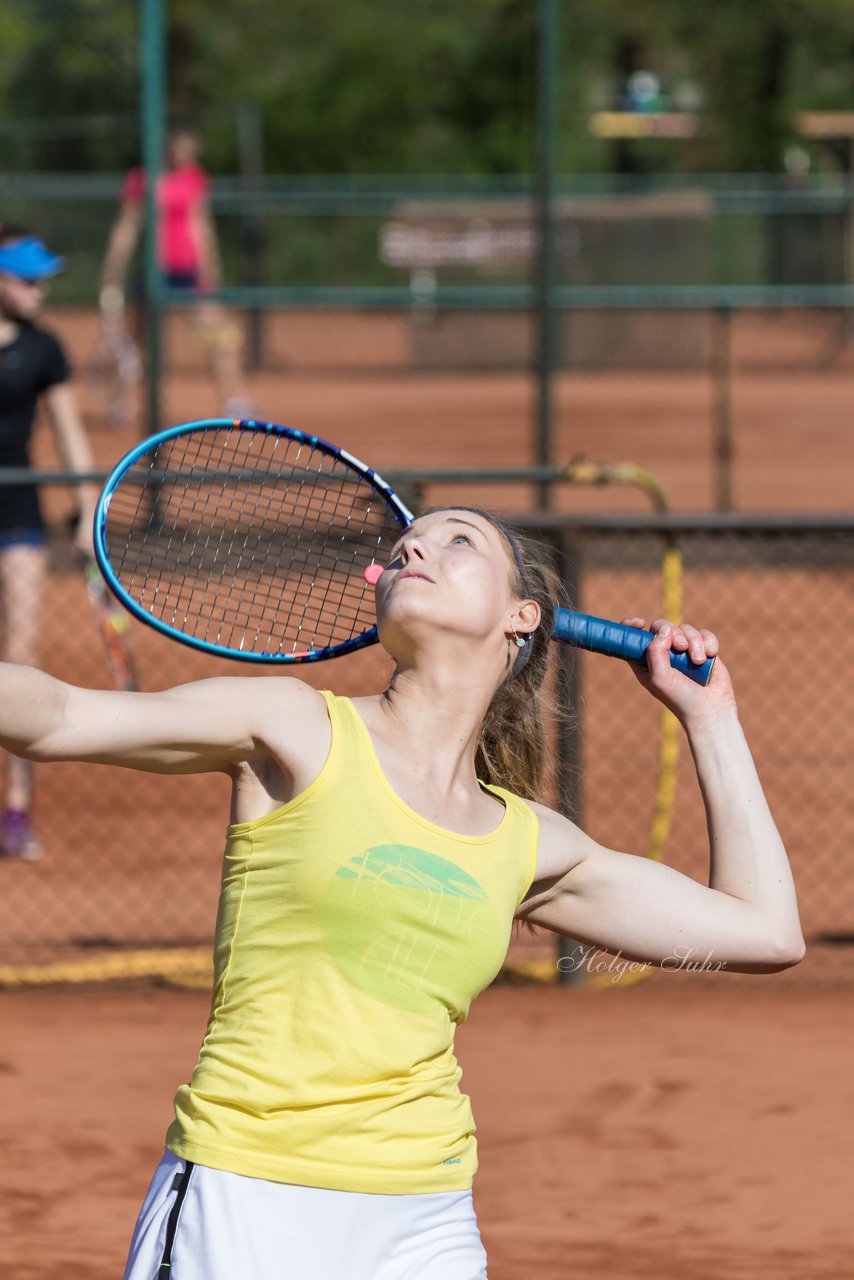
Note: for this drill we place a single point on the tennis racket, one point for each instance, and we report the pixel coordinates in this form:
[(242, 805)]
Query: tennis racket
[(116, 366), (113, 627), (250, 540), (115, 372)]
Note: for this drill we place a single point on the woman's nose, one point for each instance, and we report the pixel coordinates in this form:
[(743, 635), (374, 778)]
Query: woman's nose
[(412, 547)]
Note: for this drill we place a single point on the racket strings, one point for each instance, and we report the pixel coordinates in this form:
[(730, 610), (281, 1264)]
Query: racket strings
[(250, 540)]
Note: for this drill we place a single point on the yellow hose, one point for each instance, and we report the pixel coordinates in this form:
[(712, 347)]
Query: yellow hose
[(184, 966)]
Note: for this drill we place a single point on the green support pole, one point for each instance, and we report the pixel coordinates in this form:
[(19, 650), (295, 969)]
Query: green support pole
[(250, 147), (153, 126), (722, 374), (571, 955), (547, 316)]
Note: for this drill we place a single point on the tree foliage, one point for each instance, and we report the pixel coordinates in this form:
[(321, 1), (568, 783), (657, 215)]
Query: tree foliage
[(427, 86)]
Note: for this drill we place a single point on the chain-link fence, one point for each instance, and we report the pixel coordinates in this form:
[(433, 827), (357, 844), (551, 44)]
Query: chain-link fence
[(131, 860), (418, 232)]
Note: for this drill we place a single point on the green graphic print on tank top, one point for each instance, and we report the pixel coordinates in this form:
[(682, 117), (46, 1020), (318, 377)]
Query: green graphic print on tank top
[(398, 921)]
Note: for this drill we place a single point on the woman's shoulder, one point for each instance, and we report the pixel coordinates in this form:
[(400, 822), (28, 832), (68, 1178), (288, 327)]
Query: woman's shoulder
[(553, 829), (270, 697), (289, 718), (275, 691), (551, 821), (39, 343), (560, 842)]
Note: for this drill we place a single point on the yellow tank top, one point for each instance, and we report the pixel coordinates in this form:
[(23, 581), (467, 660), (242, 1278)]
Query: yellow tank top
[(351, 939)]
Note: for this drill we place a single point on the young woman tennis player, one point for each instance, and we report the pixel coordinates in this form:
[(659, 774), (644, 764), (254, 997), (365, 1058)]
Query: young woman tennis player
[(33, 366), (378, 851)]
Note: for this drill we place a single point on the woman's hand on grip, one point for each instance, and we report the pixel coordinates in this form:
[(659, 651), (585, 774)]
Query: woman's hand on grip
[(685, 698)]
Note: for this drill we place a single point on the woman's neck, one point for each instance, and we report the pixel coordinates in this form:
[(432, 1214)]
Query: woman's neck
[(434, 724)]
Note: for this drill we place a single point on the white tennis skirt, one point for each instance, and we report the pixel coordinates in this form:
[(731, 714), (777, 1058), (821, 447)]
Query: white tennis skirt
[(203, 1224)]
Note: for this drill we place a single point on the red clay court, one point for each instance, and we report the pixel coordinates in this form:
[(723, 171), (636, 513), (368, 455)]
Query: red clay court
[(685, 1126), (623, 1134)]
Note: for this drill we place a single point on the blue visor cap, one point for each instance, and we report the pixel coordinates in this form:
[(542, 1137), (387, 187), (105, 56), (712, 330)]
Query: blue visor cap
[(29, 260)]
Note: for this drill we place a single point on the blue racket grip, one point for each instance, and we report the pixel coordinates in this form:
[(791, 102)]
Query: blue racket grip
[(618, 641)]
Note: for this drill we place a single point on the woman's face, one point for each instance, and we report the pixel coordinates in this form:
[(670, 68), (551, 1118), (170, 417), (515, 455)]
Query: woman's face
[(183, 150), (21, 299), (450, 574)]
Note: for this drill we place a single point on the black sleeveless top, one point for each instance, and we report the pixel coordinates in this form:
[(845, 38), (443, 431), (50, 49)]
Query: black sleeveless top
[(29, 365)]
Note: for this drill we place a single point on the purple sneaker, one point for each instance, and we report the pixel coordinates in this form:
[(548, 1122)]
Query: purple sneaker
[(17, 839)]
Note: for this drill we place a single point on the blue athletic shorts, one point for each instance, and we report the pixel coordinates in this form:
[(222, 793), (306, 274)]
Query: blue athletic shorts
[(22, 538)]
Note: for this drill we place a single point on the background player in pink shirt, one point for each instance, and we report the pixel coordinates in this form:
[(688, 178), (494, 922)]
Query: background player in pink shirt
[(188, 257)]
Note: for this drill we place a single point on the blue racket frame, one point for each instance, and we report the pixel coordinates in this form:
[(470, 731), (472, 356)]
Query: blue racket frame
[(152, 443)]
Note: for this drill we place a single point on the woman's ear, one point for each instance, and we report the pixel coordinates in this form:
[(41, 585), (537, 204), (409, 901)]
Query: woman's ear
[(527, 616)]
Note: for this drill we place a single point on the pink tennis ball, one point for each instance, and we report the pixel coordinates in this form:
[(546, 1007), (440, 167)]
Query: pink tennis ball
[(373, 574)]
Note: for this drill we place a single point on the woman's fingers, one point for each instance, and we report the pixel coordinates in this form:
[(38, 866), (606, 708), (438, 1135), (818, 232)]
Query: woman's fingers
[(682, 696), (698, 643)]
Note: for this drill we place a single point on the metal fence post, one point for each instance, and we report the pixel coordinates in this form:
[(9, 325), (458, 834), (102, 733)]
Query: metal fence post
[(722, 410), (153, 59), (251, 151), (548, 65), (570, 793)]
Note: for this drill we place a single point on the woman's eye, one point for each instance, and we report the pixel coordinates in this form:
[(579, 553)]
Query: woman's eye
[(461, 537)]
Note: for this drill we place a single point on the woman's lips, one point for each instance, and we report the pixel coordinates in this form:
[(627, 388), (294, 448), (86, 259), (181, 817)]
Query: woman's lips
[(410, 573)]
